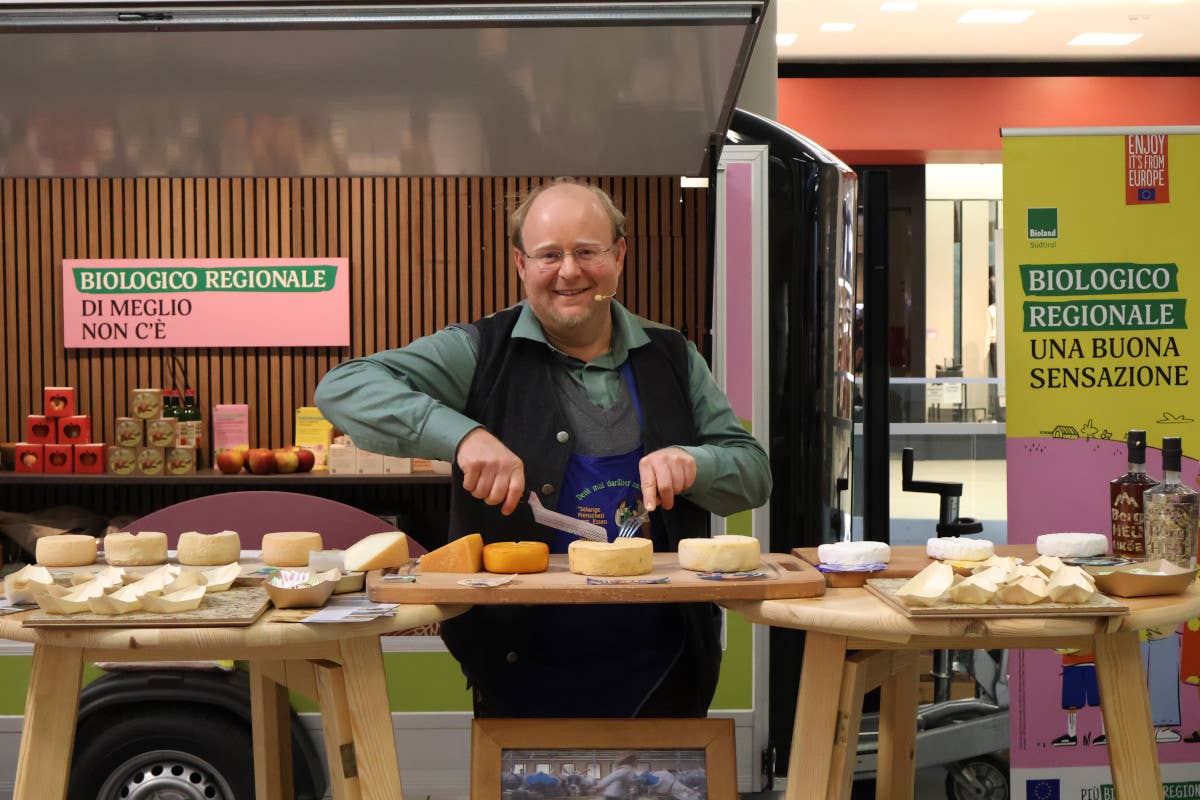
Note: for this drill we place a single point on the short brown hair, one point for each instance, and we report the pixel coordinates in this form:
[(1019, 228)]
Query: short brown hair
[(516, 220)]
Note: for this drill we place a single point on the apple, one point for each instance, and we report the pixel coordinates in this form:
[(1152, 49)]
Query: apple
[(28, 459), (308, 459), (286, 460), (231, 461), (261, 461)]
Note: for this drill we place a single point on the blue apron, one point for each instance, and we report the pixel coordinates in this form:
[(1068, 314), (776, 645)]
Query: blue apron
[(602, 660)]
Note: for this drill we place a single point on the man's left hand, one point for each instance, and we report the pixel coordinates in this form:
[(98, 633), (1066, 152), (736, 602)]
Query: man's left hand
[(665, 473)]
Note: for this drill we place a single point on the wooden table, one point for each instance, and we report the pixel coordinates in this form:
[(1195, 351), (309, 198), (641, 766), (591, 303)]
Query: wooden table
[(856, 642), (340, 665)]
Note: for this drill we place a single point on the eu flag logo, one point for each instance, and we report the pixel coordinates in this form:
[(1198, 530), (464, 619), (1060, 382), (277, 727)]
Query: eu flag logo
[(1044, 789), (1145, 195)]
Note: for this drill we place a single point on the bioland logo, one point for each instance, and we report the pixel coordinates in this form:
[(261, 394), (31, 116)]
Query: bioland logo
[(1043, 223)]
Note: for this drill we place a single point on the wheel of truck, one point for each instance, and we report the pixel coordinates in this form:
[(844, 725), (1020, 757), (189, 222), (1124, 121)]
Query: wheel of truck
[(166, 754), (982, 778)]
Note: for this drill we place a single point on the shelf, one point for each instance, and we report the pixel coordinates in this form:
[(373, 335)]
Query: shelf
[(208, 477)]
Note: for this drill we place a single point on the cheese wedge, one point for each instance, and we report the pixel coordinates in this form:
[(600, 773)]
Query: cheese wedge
[(720, 554), (464, 554), (143, 549), (66, 550), (633, 556), (508, 558), (377, 551), (209, 550), (289, 548), (22, 586)]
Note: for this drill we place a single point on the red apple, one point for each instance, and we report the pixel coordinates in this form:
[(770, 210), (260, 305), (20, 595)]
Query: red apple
[(231, 461), (286, 460), (261, 461), (308, 459)]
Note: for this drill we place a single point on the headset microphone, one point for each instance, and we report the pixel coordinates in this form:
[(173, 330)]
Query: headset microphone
[(599, 298)]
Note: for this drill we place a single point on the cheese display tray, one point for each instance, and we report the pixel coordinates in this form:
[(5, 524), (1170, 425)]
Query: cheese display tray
[(235, 607), (908, 560), (783, 576), (1098, 606)]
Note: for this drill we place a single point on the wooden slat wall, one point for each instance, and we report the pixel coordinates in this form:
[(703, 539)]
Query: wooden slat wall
[(423, 252)]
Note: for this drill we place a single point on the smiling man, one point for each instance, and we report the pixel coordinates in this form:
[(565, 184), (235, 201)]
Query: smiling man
[(600, 412)]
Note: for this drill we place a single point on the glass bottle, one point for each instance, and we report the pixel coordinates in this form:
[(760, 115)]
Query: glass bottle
[(191, 424), (1126, 497), (1172, 512)]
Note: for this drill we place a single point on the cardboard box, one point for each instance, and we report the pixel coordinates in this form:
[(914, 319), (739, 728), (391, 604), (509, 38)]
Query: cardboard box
[(129, 432), (343, 459), (230, 427), (58, 401), (29, 457), (181, 461), (146, 403), (162, 432), (431, 465), (89, 458), (40, 429), (120, 460), (369, 463), (58, 459), (395, 465), (75, 430), (151, 460), (314, 432)]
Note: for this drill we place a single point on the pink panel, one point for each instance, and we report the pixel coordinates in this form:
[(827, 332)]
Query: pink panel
[(739, 309)]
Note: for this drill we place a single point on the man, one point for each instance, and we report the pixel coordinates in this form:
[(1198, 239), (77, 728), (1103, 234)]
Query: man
[(600, 413)]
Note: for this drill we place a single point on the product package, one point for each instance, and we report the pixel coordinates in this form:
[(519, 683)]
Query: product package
[(146, 403), (29, 457), (369, 463), (230, 427), (150, 460), (59, 401), (121, 460), (129, 432), (395, 465), (58, 459), (162, 432), (314, 432), (75, 430), (89, 458), (343, 459), (40, 429), (180, 460)]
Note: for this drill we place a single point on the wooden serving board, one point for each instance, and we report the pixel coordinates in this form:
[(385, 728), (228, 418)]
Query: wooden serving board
[(1099, 606), (908, 560), (787, 576), (235, 607)]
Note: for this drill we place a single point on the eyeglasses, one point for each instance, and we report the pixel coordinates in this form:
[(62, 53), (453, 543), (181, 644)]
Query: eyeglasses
[(584, 256)]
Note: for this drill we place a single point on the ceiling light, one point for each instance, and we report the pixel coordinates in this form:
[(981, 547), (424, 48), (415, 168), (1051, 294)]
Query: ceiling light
[(899, 5), (786, 39), (837, 27), (1104, 39), (995, 16), (1166, 2)]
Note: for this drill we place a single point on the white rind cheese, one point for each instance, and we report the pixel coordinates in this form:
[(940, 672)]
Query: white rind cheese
[(720, 554), (851, 554), (959, 548), (209, 550), (624, 557), (66, 550), (377, 551), (1072, 545), (22, 586), (289, 548), (142, 549)]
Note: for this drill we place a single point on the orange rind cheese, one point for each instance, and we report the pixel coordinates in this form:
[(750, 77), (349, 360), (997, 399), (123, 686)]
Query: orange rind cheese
[(464, 554), (516, 557)]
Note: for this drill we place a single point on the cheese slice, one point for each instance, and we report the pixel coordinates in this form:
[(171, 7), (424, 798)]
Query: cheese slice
[(720, 554), (520, 558), (289, 548), (209, 550), (66, 550), (464, 554), (142, 549), (633, 556), (377, 551)]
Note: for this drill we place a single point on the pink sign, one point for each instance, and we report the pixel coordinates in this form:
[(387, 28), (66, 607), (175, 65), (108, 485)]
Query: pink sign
[(209, 302)]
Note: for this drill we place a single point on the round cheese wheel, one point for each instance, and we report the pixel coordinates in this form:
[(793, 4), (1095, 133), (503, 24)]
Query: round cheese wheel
[(209, 550), (850, 554), (720, 554), (142, 549), (633, 556), (1072, 545), (516, 557), (66, 550), (289, 548)]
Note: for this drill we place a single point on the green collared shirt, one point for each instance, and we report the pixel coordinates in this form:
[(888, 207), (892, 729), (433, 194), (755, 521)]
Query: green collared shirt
[(409, 402)]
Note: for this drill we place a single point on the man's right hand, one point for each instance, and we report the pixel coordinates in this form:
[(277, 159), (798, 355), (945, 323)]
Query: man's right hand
[(491, 472)]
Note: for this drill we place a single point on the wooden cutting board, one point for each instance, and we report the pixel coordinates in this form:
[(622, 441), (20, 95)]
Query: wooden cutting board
[(786, 577), (1099, 606), (908, 560), (235, 607)]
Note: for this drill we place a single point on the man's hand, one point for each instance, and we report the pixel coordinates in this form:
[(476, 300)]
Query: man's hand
[(665, 473), (491, 472)]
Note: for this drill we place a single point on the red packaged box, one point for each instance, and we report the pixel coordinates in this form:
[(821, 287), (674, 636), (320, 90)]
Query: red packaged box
[(75, 430), (59, 401), (41, 429), (29, 457), (89, 458), (58, 459)]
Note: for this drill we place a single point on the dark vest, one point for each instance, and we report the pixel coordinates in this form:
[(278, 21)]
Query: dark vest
[(513, 395)]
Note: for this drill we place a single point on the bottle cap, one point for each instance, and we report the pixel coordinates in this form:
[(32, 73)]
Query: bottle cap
[(1172, 452), (1137, 447)]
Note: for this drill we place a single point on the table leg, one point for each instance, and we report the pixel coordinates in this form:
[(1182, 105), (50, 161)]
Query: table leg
[(339, 738), (815, 725), (849, 721), (48, 734), (1127, 721), (895, 773), (271, 727), (371, 719)]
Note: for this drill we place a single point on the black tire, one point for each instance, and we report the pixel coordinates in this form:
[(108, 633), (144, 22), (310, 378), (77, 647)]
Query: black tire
[(165, 754), (990, 772)]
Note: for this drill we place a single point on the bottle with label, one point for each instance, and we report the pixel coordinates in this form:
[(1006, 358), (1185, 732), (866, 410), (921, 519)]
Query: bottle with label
[(1172, 512), (170, 403), (191, 424), (1126, 497)]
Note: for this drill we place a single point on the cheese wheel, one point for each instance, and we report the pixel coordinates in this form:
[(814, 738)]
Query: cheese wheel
[(851, 554), (507, 558), (720, 554), (1072, 545), (377, 551), (464, 554), (66, 550), (633, 556), (289, 548), (209, 550), (142, 549), (959, 548)]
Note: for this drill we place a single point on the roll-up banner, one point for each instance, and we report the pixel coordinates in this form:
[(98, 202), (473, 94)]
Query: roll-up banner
[(1101, 287)]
